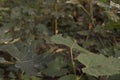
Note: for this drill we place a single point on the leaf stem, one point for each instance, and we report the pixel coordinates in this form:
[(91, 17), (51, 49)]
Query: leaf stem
[(89, 13), (72, 60), (55, 18)]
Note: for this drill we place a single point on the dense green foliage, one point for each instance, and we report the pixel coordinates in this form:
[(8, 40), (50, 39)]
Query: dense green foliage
[(59, 40)]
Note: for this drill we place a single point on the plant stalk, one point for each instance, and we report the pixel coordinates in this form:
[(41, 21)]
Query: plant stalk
[(72, 60), (55, 18)]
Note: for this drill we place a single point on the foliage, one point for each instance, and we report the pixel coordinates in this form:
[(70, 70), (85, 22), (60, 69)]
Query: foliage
[(59, 40), (98, 65)]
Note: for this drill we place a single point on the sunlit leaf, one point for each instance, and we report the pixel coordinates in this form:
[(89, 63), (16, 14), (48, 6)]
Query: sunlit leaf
[(58, 39), (112, 16), (99, 65), (73, 1), (112, 25)]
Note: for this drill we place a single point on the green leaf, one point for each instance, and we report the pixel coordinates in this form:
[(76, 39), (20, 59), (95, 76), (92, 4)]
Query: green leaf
[(112, 25), (5, 39), (12, 50), (4, 9), (25, 77), (35, 78), (102, 4), (73, 1), (1, 72), (112, 16), (84, 33), (24, 54), (58, 39), (12, 75), (5, 35), (41, 29), (103, 0), (16, 13), (56, 67), (68, 77), (115, 77), (99, 65)]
